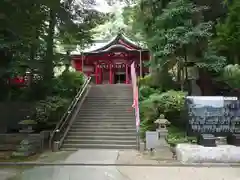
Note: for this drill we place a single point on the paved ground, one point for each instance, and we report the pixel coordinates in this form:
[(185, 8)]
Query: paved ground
[(122, 173)]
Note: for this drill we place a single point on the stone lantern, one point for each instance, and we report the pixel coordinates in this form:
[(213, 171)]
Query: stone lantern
[(27, 125), (162, 124)]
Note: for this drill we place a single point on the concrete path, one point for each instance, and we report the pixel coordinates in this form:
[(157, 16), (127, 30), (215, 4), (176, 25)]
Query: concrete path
[(124, 173)]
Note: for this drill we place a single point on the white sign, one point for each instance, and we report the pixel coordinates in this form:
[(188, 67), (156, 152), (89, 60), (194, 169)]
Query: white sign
[(151, 139), (106, 66)]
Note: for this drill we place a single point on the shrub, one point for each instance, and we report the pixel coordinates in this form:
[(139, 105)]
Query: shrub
[(145, 81), (148, 114), (146, 91), (50, 110), (170, 103), (67, 84), (231, 74)]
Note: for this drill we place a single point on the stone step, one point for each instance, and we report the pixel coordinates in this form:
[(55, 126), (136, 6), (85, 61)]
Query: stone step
[(92, 122), (106, 108), (94, 137), (103, 123), (90, 133), (128, 109), (93, 130), (108, 105), (108, 99), (74, 147), (99, 141), (105, 118), (117, 97), (129, 116), (101, 112)]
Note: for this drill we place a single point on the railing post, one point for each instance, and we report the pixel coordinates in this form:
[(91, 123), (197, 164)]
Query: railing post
[(56, 141)]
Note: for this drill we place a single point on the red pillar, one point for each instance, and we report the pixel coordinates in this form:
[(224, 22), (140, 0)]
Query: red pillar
[(110, 73), (127, 76), (96, 74), (100, 75)]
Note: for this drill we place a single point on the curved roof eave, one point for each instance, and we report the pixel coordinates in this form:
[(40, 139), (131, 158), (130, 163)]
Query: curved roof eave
[(114, 41)]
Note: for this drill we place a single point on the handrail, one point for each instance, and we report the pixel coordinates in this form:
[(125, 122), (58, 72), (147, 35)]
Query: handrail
[(66, 118)]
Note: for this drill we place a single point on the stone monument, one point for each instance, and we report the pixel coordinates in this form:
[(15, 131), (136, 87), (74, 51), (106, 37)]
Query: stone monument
[(215, 121)]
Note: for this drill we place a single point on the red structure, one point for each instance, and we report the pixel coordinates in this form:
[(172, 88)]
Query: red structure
[(111, 62)]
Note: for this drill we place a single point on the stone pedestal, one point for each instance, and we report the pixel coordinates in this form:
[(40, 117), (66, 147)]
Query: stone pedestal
[(207, 140), (234, 139), (56, 146), (162, 144)]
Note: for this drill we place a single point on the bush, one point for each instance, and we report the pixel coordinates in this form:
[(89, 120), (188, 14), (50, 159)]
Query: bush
[(50, 110), (170, 103), (148, 114), (68, 84), (145, 81), (231, 74), (146, 91)]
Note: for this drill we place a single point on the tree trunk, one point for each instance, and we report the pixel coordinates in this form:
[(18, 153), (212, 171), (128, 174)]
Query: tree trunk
[(48, 66), (235, 59)]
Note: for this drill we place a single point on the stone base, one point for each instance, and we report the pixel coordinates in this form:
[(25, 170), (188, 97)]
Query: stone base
[(190, 153)]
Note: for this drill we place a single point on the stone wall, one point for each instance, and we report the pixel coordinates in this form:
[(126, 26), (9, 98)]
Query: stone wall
[(11, 113), (10, 142)]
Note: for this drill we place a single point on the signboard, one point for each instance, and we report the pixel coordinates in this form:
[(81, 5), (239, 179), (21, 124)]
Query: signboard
[(118, 66), (215, 115), (151, 139)]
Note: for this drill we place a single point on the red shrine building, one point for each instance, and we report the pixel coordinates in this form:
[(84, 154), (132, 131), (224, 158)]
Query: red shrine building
[(109, 62)]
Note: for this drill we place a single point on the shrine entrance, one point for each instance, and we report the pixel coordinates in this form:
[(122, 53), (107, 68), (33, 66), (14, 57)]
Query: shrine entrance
[(110, 63), (120, 78)]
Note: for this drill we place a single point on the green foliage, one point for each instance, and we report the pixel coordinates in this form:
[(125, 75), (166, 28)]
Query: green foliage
[(28, 122), (148, 114), (146, 91), (170, 103), (212, 62), (231, 75), (30, 33), (50, 110), (177, 135), (68, 84), (145, 81), (227, 40)]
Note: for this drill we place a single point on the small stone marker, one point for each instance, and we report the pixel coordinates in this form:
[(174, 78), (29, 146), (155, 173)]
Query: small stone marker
[(151, 139)]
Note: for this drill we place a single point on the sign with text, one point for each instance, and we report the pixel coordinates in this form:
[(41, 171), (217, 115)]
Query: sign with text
[(215, 115)]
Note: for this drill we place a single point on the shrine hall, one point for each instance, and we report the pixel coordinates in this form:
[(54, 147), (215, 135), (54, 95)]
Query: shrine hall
[(109, 62)]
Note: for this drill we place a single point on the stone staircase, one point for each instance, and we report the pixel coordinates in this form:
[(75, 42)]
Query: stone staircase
[(106, 120)]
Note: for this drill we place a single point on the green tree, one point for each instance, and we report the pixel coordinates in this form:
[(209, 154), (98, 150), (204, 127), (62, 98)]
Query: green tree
[(30, 32), (228, 33), (175, 33)]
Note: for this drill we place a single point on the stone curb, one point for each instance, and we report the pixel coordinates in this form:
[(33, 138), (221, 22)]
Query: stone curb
[(122, 164)]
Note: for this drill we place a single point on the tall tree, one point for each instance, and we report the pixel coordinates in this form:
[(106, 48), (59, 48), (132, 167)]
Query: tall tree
[(228, 33)]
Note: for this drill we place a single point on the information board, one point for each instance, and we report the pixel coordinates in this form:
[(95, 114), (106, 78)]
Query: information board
[(215, 115)]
